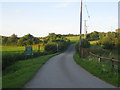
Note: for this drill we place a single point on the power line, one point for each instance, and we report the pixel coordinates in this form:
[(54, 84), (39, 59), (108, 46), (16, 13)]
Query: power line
[(87, 11)]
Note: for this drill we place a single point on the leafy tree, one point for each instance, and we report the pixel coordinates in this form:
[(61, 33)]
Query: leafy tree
[(12, 40), (102, 35), (93, 36), (28, 40), (111, 34), (4, 40), (107, 43)]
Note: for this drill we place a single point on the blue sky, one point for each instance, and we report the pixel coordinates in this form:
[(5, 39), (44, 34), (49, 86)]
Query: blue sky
[(41, 18)]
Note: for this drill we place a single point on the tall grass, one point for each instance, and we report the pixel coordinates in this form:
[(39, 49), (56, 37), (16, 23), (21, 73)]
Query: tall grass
[(104, 52), (102, 70)]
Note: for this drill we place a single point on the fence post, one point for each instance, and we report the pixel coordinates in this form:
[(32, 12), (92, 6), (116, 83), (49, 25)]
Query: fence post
[(80, 51), (82, 55), (99, 59), (112, 64)]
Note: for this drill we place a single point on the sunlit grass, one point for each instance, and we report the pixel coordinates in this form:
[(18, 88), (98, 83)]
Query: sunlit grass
[(73, 38), (20, 48), (102, 70), (94, 42)]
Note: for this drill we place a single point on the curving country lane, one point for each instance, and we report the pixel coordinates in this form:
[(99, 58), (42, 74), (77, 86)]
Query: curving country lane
[(61, 71)]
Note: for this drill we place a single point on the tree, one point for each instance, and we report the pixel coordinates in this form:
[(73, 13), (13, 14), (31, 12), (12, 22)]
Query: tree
[(12, 40), (107, 43), (28, 40), (102, 35), (93, 36), (4, 40)]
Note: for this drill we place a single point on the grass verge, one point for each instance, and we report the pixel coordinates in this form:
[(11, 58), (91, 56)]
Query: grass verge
[(100, 70), (16, 75)]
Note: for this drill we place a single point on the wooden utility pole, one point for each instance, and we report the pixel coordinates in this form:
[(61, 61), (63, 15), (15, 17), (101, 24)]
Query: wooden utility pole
[(80, 26)]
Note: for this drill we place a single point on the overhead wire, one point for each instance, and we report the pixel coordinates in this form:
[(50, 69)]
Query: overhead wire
[(87, 10)]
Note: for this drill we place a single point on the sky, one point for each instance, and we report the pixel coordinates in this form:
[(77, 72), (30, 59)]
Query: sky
[(41, 18)]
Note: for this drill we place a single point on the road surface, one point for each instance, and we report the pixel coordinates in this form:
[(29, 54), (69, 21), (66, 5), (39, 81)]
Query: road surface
[(61, 71)]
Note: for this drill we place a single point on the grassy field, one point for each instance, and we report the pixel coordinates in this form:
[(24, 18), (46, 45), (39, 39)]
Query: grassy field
[(19, 48), (73, 38), (101, 70), (77, 38), (94, 42), (16, 75)]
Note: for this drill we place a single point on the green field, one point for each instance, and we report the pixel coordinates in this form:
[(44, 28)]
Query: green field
[(12, 54), (73, 38), (16, 75), (94, 42), (19, 48)]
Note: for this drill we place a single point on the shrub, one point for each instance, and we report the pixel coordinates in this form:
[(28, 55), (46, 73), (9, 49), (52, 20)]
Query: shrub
[(51, 48), (107, 43), (9, 58)]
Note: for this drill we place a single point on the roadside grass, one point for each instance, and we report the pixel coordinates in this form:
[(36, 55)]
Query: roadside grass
[(101, 70), (16, 75)]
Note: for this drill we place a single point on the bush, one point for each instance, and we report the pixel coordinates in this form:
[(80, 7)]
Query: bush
[(51, 48), (107, 43), (63, 46), (9, 58)]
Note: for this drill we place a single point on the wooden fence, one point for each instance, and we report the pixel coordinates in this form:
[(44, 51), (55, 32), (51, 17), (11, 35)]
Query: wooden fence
[(110, 59)]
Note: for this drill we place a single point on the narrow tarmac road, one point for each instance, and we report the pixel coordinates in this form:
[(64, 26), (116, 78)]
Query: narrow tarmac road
[(61, 71)]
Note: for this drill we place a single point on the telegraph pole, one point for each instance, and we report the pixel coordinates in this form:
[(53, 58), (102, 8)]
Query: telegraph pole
[(85, 28), (80, 26)]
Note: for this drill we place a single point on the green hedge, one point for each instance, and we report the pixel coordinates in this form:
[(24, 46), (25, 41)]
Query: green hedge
[(9, 58)]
